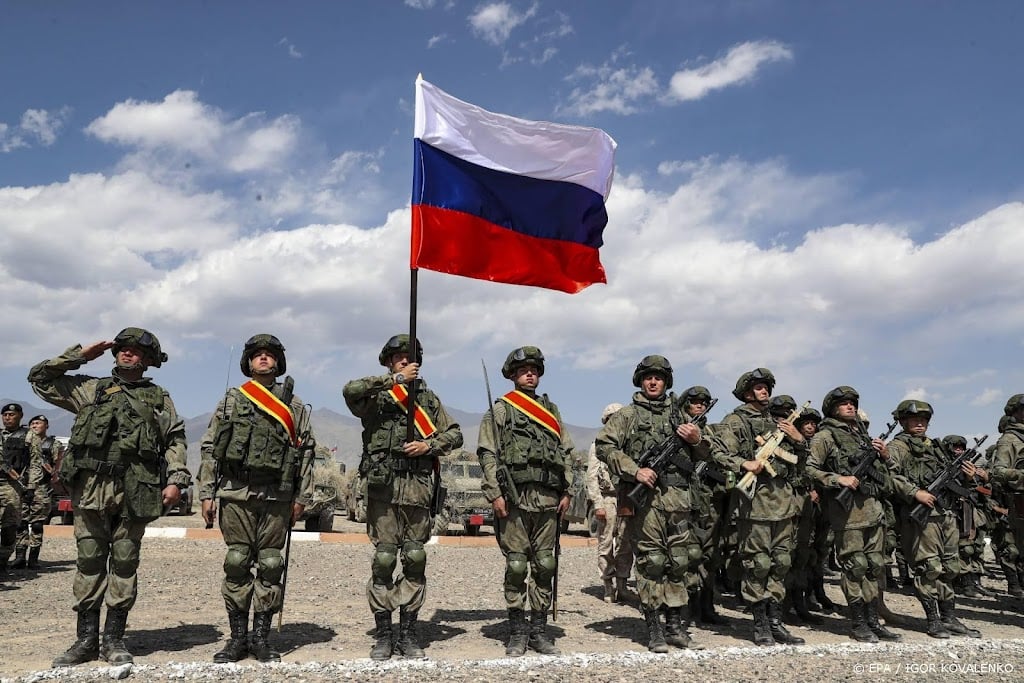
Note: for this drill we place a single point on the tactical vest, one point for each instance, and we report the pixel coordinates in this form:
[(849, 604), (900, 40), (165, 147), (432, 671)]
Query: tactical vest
[(849, 450), (762, 425), (46, 447), (647, 429), (252, 442), (1017, 430), (926, 461), (386, 435), (119, 428), (16, 451), (532, 453)]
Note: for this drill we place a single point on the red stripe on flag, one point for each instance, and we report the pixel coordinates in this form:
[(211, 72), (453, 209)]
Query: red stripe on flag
[(461, 244)]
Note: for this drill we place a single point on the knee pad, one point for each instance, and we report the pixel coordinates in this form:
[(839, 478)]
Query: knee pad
[(92, 556), (759, 565), (1010, 553), (382, 566), (855, 565), (875, 563), (951, 568), (651, 565), (237, 562), (782, 562), (516, 569), (967, 550), (544, 566), (679, 562), (270, 565), (37, 528), (930, 568), (414, 560), (124, 558)]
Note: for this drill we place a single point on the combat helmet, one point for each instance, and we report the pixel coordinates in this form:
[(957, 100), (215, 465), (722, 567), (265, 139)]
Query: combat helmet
[(781, 405), (953, 441), (696, 393), (837, 396), (1013, 404), (913, 406), (807, 415), (145, 340), (749, 379), (653, 364), (263, 342), (399, 344), (524, 355), (610, 410)]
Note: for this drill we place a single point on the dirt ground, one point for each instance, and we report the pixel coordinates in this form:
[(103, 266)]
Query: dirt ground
[(179, 617)]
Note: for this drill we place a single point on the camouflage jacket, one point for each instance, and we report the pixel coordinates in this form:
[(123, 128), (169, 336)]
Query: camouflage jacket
[(600, 483), (139, 485), (634, 429), (31, 474), (391, 476), (735, 442), (542, 453), (235, 482), (1007, 463)]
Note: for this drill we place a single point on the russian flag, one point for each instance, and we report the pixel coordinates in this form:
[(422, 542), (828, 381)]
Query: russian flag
[(505, 199)]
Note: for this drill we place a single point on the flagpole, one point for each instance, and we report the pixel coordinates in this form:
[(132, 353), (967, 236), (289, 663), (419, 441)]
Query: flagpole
[(410, 433)]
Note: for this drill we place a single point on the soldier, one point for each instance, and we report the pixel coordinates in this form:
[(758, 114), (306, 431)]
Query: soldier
[(125, 433), (842, 440), (765, 525), (816, 561), (16, 491), (972, 521), (398, 472), (614, 544), (38, 499), (1007, 468), (805, 559), (917, 460), (526, 455), (255, 461), (668, 552)]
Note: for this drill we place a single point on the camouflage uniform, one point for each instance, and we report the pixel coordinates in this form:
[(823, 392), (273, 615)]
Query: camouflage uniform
[(20, 458), (932, 548), (1007, 474), (36, 503), (398, 491), (256, 471), (114, 479), (614, 543), (538, 464)]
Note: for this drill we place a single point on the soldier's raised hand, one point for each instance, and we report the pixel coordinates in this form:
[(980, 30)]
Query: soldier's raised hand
[(96, 349)]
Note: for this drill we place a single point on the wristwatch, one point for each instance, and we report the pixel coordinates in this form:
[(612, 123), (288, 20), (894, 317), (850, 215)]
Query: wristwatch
[(399, 378)]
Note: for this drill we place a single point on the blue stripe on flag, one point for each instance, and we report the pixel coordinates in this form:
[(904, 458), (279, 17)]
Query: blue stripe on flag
[(539, 208)]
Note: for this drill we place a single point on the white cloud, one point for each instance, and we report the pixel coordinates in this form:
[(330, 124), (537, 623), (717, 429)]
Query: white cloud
[(39, 125), (738, 66), (618, 89), (435, 40), (495, 21), (420, 4), (917, 393), (988, 396), (293, 51)]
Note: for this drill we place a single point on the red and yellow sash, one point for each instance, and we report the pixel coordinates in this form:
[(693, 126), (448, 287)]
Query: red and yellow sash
[(533, 410), (272, 406), (424, 425)]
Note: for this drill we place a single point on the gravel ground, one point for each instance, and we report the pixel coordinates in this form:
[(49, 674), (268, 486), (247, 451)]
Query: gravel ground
[(179, 622)]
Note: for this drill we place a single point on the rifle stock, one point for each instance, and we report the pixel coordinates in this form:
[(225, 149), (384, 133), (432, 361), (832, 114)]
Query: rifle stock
[(769, 449)]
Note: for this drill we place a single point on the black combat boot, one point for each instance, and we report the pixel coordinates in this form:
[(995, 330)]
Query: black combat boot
[(951, 623), (871, 615), (260, 648), (966, 586), (539, 640), (112, 648), (762, 630), (860, 632), (87, 647), (237, 647), (655, 633), (975, 579), (799, 599), (19, 558), (936, 629), (1013, 584), (809, 597), (406, 644), (778, 629), (677, 623), (827, 606), (905, 579), (706, 600), (33, 557), (382, 636), (518, 633)]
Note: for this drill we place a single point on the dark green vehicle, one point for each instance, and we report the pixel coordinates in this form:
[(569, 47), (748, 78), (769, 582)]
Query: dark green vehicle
[(465, 505)]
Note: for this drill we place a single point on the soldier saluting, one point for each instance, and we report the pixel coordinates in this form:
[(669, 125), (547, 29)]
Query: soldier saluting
[(253, 463), (126, 427)]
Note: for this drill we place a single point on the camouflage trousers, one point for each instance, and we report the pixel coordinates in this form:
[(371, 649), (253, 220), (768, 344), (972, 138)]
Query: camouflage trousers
[(804, 555), (10, 520), (397, 531), (1007, 552), (971, 551), (766, 551), (861, 556), (34, 516), (614, 543), (527, 540), (108, 544), (668, 557), (709, 525), (254, 531), (933, 551)]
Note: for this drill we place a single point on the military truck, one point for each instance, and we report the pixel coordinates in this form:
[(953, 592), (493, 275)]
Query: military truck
[(581, 510), (465, 504), (328, 480), (355, 498)]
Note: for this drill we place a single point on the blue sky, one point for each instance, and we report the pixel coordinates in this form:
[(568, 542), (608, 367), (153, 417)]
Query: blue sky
[(831, 190)]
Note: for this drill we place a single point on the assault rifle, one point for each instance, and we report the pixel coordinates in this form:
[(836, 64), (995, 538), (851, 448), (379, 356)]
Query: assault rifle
[(658, 457), (946, 487), (767, 452), (865, 465)]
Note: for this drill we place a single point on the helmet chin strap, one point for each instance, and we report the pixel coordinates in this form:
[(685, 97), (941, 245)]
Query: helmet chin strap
[(133, 366)]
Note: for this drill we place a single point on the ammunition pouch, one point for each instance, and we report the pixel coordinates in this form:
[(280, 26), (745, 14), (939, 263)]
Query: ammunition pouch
[(420, 465)]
